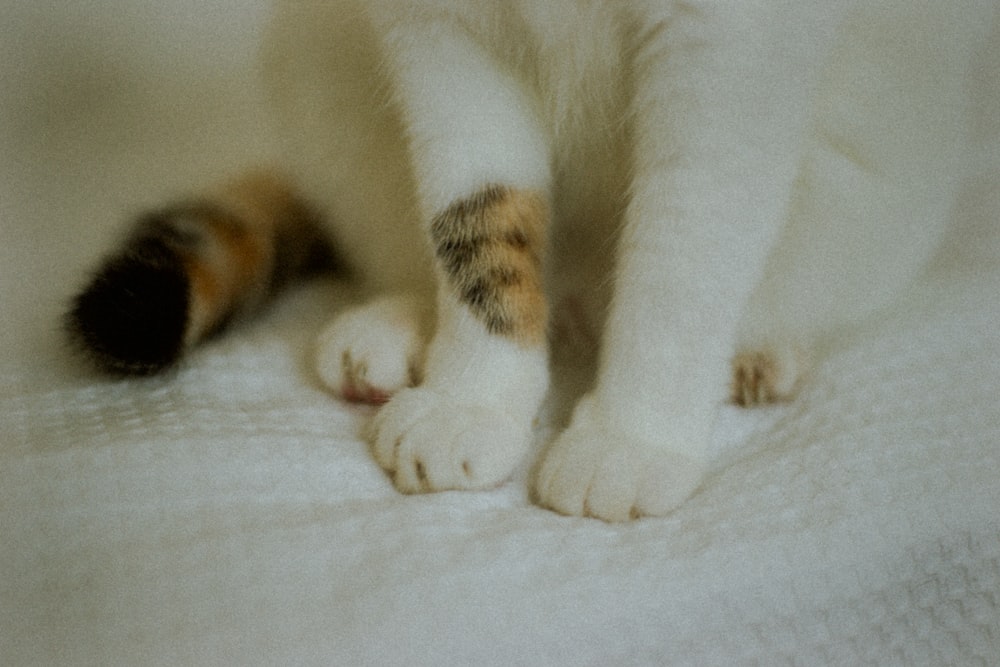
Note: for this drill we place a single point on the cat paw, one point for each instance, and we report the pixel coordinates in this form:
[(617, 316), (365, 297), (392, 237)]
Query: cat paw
[(431, 442), (595, 470), (371, 352), (767, 376)]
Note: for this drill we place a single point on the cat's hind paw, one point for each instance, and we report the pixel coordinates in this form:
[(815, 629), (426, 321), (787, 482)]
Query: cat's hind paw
[(371, 352), (767, 376), (430, 442), (594, 470)]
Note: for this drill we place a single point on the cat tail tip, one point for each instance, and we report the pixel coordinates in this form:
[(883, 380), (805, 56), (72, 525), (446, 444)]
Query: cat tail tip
[(132, 318)]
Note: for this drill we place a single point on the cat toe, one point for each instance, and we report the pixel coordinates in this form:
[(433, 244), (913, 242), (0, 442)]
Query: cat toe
[(428, 442)]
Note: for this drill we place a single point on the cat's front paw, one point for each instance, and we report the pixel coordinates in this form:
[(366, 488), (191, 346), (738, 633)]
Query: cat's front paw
[(371, 352), (428, 441), (594, 469)]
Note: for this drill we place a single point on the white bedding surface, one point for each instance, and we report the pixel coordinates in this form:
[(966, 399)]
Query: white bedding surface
[(229, 513)]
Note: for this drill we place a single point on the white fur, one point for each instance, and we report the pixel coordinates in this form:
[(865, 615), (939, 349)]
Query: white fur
[(770, 169)]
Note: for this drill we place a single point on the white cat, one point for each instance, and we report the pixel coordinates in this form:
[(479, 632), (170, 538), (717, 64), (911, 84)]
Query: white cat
[(767, 170)]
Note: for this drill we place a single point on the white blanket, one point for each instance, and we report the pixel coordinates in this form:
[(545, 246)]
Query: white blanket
[(229, 513)]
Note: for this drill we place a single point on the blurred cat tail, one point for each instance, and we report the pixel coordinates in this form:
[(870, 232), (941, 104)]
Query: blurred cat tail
[(184, 272)]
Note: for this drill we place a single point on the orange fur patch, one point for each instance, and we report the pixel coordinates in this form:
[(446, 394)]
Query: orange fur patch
[(491, 248), (228, 269), (255, 234)]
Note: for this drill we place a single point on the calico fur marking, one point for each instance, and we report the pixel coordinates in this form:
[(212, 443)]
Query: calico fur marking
[(491, 247), (183, 273)]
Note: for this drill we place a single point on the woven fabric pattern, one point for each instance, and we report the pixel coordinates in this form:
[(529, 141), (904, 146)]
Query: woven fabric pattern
[(229, 513)]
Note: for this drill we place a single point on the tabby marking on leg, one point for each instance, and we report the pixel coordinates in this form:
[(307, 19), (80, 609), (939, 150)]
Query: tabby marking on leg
[(491, 247)]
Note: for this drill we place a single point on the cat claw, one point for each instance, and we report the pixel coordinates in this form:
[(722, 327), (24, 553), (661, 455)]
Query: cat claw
[(767, 376)]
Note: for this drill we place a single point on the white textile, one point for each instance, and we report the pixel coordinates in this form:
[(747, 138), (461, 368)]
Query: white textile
[(229, 513)]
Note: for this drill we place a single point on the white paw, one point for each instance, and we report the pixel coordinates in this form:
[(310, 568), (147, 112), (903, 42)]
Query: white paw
[(427, 441), (596, 470), (371, 352), (767, 375)]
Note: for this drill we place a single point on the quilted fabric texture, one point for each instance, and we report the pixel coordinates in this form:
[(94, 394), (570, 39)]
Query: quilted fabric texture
[(229, 513)]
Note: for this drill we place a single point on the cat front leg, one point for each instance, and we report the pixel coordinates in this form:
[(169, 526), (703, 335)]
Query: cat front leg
[(481, 165), (713, 164), (469, 424)]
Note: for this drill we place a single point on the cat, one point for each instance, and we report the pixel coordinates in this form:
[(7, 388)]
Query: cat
[(742, 177)]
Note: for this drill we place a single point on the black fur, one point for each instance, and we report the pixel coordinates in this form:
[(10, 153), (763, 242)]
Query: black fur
[(132, 317)]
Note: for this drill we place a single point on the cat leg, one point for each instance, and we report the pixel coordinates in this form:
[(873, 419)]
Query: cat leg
[(371, 352), (481, 165), (713, 168)]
